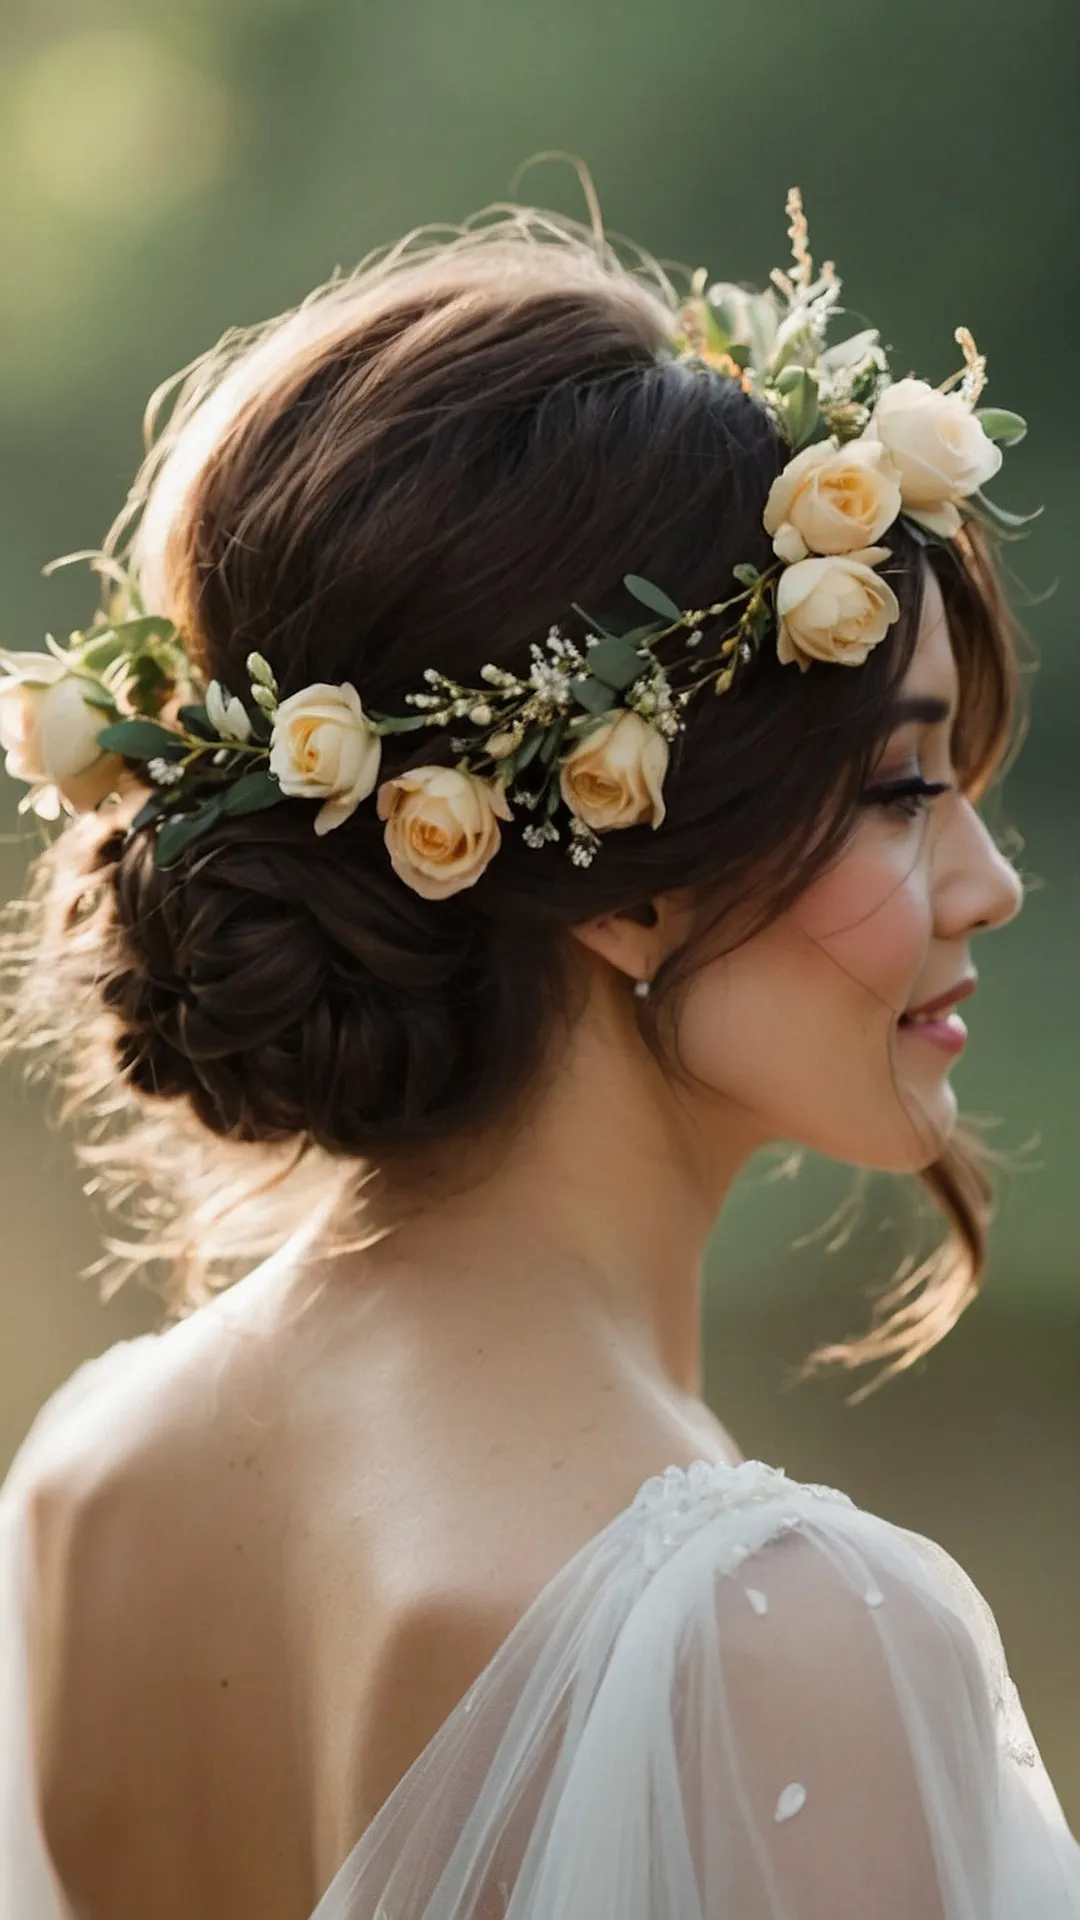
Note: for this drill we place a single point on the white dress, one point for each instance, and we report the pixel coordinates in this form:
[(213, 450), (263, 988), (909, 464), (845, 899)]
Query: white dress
[(744, 1699)]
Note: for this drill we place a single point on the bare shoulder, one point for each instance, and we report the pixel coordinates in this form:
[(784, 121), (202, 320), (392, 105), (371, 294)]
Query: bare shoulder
[(154, 1530)]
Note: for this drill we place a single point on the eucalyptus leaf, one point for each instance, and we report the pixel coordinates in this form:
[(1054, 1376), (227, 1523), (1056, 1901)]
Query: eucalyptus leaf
[(591, 694), (147, 626), (176, 835), (552, 798), (251, 793), (99, 650), (402, 722), (999, 424), (198, 721), (801, 408), (652, 597), (142, 740), (549, 745), (529, 748), (848, 353), (717, 337), (151, 810), (616, 662)]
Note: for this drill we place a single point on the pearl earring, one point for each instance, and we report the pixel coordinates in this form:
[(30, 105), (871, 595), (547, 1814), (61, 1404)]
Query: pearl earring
[(642, 989)]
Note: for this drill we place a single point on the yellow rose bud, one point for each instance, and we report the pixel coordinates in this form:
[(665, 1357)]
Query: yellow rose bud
[(323, 746), (442, 828), (615, 778), (835, 609), (832, 500)]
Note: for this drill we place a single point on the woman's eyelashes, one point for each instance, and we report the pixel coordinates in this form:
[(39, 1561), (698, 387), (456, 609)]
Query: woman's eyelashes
[(908, 795)]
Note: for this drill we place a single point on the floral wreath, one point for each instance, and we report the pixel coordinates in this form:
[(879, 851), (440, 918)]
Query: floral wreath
[(580, 742)]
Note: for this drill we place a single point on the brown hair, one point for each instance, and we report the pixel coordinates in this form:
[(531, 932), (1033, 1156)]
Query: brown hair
[(429, 464)]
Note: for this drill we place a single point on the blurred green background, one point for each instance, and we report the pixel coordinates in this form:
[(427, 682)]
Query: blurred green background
[(177, 166)]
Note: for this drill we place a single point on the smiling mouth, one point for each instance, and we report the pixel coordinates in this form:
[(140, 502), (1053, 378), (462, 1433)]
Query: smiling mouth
[(938, 1022)]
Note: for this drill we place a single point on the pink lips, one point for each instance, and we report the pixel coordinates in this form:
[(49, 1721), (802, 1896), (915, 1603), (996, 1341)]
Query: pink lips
[(936, 1022)]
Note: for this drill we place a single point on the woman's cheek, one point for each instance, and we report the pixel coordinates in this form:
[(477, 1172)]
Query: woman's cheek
[(872, 915)]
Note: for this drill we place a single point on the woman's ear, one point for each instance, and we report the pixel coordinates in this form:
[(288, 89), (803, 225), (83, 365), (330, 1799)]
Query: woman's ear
[(637, 940)]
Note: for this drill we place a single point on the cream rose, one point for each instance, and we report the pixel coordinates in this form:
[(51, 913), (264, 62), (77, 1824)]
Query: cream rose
[(832, 500), (835, 609), (938, 448), (442, 828), (615, 778), (49, 735), (323, 746)]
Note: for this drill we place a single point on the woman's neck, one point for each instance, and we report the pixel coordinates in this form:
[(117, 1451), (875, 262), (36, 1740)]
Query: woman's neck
[(587, 1222)]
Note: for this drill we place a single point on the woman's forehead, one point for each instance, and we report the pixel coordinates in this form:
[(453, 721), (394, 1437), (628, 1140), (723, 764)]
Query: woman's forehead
[(932, 671)]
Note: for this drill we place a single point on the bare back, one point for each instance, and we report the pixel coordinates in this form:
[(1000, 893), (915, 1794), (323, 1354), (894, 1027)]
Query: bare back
[(282, 1554)]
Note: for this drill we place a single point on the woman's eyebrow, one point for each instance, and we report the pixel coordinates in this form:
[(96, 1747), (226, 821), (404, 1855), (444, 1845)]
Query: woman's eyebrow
[(920, 707)]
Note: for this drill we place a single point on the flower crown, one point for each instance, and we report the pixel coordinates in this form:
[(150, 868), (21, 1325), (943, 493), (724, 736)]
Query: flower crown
[(580, 741)]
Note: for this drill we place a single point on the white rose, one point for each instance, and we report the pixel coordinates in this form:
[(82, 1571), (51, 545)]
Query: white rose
[(940, 451), (835, 609), (615, 778), (323, 746), (832, 499), (442, 828), (49, 735)]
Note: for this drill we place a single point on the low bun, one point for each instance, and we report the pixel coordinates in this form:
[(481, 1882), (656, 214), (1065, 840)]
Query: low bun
[(292, 989)]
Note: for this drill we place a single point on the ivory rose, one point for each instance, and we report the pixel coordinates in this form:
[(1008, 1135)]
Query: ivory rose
[(938, 448), (832, 499), (442, 828), (835, 608), (615, 778), (49, 735), (323, 746)]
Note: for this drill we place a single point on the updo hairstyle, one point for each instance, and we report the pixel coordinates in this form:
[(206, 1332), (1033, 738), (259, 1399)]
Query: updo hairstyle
[(429, 464)]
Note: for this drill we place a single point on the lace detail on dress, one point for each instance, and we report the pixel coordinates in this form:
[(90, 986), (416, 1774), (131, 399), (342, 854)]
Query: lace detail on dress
[(673, 1505)]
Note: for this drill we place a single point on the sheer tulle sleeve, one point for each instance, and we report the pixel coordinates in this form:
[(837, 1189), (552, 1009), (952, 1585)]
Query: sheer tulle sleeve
[(745, 1700)]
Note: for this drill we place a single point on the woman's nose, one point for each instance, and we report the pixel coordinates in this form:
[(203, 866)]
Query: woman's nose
[(979, 887)]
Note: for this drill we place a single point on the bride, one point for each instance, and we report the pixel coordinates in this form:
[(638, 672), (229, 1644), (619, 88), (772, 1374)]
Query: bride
[(527, 761)]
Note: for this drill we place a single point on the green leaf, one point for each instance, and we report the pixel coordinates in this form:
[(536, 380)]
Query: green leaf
[(800, 408), (198, 722), (999, 424), (402, 722), (848, 353), (652, 597), (616, 662), (251, 793), (176, 835), (529, 748), (148, 626), (552, 798), (142, 740), (591, 694), (152, 810), (745, 574), (262, 727), (1000, 517), (550, 744)]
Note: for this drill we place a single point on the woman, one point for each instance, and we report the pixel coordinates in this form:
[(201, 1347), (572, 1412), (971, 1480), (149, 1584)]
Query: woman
[(535, 787)]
